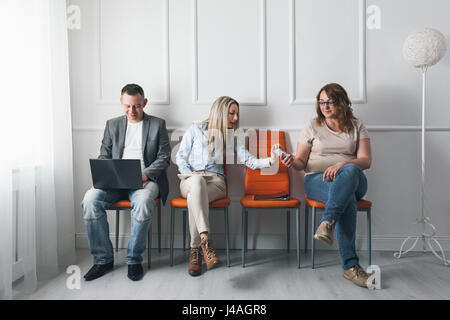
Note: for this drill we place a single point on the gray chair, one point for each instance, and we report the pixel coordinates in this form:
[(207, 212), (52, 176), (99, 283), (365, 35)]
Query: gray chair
[(181, 203), (126, 205), (362, 205)]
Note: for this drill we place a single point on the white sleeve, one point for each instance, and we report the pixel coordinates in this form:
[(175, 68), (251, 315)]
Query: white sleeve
[(250, 160), (184, 151)]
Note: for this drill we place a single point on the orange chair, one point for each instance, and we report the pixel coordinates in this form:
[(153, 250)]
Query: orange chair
[(258, 184), (126, 205), (362, 205), (181, 203)]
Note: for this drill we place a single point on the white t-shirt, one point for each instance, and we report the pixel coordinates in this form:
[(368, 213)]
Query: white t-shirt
[(133, 143), (329, 147)]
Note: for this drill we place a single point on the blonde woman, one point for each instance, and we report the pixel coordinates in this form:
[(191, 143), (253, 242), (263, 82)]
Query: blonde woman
[(201, 152)]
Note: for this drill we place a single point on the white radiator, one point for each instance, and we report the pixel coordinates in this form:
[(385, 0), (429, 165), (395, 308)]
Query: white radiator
[(24, 203)]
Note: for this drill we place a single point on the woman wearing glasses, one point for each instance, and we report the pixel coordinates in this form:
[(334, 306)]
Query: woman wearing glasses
[(334, 149), (201, 158)]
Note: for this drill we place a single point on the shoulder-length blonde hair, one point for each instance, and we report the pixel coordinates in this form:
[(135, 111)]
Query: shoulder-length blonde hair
[(342, 104), (218, 122)]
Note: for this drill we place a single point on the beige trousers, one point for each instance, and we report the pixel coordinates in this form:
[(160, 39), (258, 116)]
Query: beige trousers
[(199, 192)]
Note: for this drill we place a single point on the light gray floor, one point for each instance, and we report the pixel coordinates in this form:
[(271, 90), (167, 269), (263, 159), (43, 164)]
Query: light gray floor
[(270, 274)]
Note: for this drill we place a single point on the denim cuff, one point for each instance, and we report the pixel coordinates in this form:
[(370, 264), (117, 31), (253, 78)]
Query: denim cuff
[(103, 261), (351, 263), (328, 216)]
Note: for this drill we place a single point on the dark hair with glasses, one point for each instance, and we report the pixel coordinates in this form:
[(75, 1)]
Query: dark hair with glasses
[(337, 94), (133, 89)]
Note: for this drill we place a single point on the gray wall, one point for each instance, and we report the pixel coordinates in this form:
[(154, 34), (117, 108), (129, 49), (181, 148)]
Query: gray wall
[(272, 56)]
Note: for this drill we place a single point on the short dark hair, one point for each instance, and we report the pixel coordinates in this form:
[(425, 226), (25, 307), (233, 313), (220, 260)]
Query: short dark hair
[(133, 89)]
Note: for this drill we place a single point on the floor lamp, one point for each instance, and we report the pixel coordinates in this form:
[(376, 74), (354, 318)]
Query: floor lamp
[(423, 49)]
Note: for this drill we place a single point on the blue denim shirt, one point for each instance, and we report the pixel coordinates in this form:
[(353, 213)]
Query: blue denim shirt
[(193, 153)]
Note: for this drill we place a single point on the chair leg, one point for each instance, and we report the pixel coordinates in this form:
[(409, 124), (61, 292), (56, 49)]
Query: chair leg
[(159, 227), (184, 230), (297, 220), (306, 226), (244, 235), (313, 225), (149, 245), (369, 236), (172, 218), (117, 230), (189, 239), (288, 229), (227, 235), (246, 230)]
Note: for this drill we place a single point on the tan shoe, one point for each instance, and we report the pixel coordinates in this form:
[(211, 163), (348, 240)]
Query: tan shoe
[(357, 275), (195, 262), (324, 232), (209, 254)]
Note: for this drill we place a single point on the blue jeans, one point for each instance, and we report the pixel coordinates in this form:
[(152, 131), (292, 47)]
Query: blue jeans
[(340, 197), (94, 204)]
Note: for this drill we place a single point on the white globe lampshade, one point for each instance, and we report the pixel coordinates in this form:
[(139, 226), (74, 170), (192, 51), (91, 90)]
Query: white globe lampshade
[(424, 48)]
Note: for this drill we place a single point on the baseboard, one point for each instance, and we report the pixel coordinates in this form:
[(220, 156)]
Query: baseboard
[(273, 241)]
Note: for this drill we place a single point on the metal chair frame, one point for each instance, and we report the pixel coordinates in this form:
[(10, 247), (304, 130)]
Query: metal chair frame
[(245, 211), (313, 229), (149, 237), (184, 210)]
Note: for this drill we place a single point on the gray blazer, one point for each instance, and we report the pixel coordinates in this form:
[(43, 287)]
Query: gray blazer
[(155, 147)]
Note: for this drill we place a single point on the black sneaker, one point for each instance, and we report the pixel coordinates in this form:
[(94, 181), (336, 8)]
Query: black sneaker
[(135, 271), (98, 270)]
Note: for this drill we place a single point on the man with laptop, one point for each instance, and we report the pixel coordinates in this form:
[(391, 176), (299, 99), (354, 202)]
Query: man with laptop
[(135, 135)]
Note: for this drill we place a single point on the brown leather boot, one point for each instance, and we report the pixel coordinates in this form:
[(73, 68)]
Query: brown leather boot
[(209, 254), (195, 262)]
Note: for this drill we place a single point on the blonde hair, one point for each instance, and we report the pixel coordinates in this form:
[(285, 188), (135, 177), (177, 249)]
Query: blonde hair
[(218, 122)]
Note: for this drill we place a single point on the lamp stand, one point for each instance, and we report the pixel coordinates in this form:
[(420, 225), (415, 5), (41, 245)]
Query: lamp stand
[(425, 221)]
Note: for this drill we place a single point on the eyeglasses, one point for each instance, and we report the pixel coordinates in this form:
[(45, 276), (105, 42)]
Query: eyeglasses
[(323, 103)]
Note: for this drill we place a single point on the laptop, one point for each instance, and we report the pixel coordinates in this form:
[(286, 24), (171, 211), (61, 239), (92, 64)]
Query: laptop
[(116, 173)]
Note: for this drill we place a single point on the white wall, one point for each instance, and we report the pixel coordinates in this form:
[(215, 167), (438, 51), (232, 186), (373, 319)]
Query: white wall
[(273, 56)]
